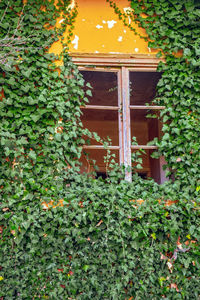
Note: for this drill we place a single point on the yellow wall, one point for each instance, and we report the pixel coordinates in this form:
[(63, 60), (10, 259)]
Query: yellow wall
[(98, 30)]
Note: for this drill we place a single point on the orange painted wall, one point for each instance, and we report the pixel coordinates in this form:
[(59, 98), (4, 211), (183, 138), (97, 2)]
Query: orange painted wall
[(98, 30)]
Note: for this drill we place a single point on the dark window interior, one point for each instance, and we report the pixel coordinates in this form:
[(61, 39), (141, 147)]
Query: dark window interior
[(105, 119), (143, 87), (105, 90)]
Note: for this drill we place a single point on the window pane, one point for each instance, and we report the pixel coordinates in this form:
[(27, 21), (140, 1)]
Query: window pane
[(143, 87), (104, 84), (103, 122), (151, 167), (88, 155), (143, 128)]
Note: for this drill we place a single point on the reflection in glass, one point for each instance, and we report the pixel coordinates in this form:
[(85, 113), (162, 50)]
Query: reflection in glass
[(143, 87), (103, 122), (143, 128), (151, 167), (104, 87), (96, 157)]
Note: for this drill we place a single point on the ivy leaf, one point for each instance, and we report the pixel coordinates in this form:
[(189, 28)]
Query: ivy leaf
[(192, 229), (27, 73), (89, 93), (4, 25), (25, 88), (89, 85), (187, 52), (32, 155), (85, 268), (35, 118), (159, 54), (197, 50), (11, 81)]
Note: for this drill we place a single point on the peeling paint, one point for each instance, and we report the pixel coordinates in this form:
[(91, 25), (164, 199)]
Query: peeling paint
[(136, 49), (149, 49), (120, 38), (96, 51), (72, 5), (75, 42), (111, 23), (99, 26), (105, 38), (128, 11), (114, 52)]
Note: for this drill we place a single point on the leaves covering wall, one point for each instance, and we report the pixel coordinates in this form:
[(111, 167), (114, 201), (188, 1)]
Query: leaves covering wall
[(173, 27), (64, 235), (40, 130)]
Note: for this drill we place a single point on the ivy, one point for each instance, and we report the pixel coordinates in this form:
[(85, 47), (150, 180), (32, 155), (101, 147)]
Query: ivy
[(173, 28), (66, 235)]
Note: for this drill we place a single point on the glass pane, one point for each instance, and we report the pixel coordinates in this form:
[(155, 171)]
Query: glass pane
[(143, 87), (104, 84), (143, 128), (103, 122), (151, 167), (90, 155)]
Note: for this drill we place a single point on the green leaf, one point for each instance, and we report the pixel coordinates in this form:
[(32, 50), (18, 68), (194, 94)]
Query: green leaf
[(32, 155), (192, 229), (85, 268), (11, 81), (35, 118), (27, 73), (89, 93), (187, 52)]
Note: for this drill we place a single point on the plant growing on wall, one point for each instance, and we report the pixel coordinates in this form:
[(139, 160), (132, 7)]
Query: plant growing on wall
[(64, 235), (40, 104), (173, 28)]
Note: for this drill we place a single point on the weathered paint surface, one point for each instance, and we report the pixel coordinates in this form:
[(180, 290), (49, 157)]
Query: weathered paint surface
[(98, 30)]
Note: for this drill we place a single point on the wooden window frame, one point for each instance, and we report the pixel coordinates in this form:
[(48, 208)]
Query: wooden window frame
[(123, 65)]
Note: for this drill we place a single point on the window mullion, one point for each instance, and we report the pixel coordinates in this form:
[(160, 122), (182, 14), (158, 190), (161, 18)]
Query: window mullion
[(120, 118), (126, 122)]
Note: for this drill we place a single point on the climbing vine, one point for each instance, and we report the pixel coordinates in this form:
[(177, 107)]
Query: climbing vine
[(40, 105), (66, 235), (172, 27)]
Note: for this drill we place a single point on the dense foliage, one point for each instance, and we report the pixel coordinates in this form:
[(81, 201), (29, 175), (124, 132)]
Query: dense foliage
[(40, 131), (64, 235), (173, 27), (100, 243)]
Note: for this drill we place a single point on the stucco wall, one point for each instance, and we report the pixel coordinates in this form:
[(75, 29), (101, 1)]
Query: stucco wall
[(98, 30)]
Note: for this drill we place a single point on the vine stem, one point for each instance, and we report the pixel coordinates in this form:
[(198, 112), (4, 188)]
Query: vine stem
[(4, 12)]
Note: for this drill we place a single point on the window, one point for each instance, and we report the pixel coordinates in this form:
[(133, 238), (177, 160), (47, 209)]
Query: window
[(121, 100)]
